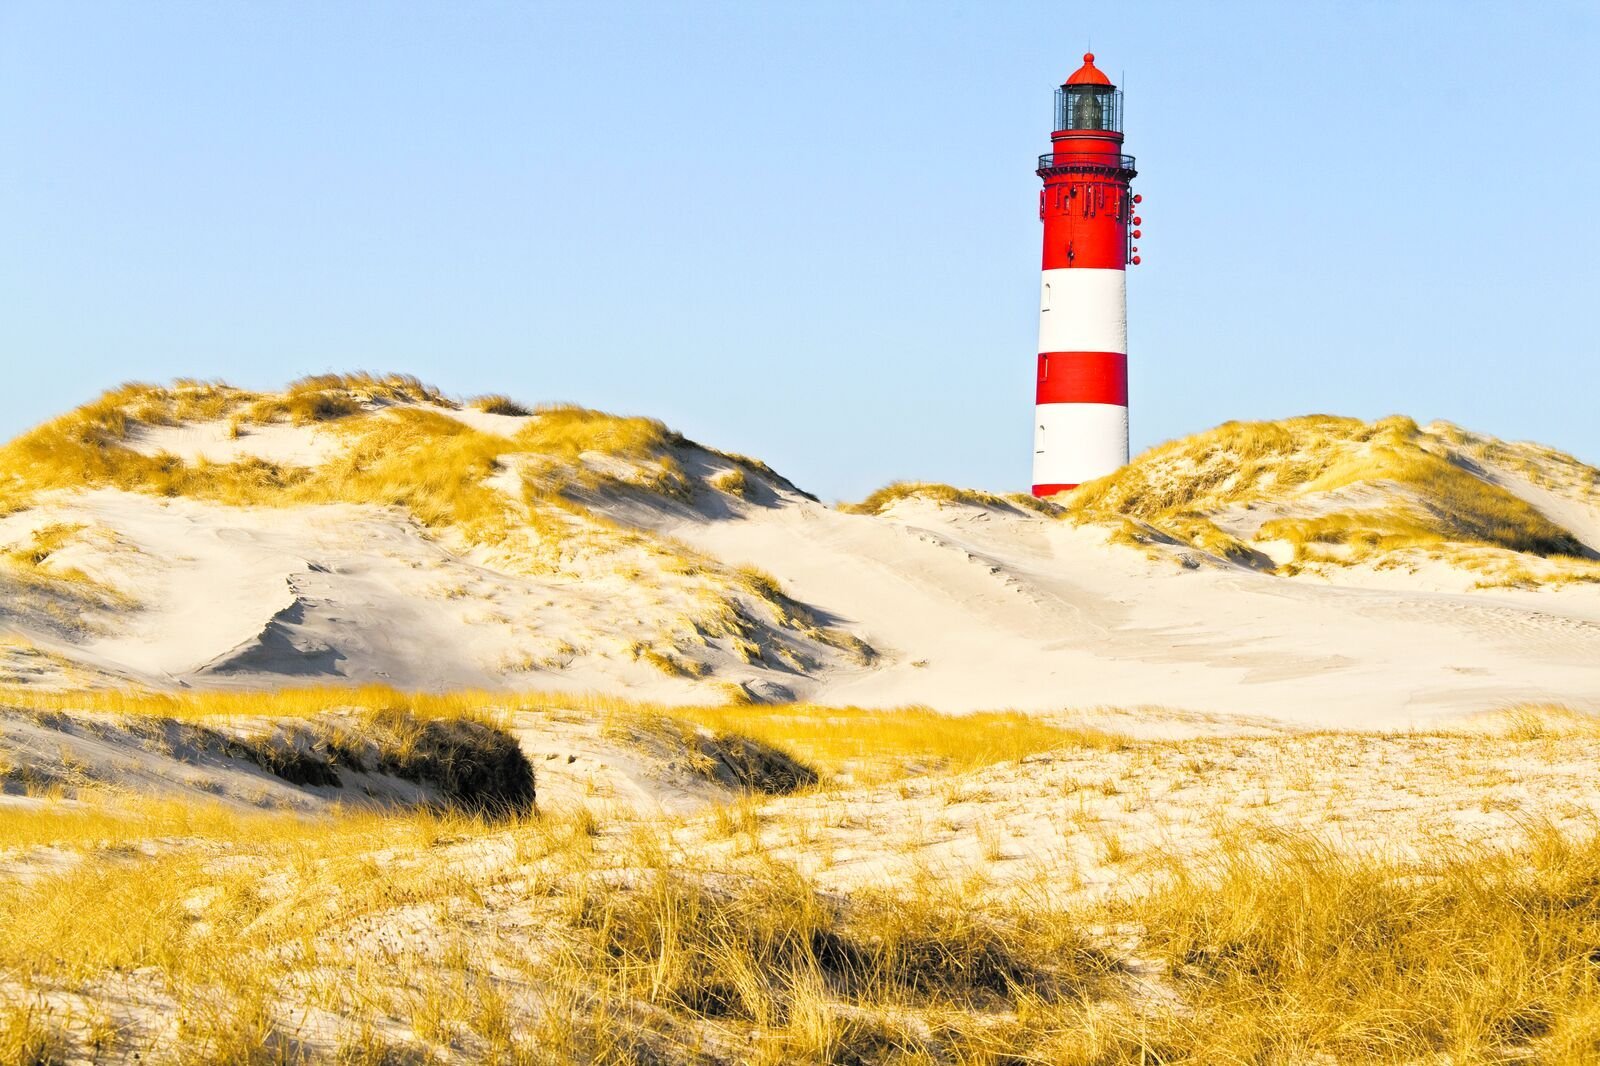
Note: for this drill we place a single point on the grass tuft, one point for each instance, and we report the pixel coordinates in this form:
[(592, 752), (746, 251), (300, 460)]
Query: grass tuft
[(882, 499), (499, 404)]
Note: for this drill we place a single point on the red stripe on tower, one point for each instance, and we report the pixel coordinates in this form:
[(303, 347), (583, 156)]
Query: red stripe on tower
[(1081, 402), (1083, 377)]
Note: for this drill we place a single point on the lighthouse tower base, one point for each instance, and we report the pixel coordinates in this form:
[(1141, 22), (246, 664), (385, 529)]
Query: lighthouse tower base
[(1077, 442), (1081, 403)]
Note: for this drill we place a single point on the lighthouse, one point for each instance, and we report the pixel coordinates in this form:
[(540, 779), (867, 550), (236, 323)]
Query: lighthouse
[(1081, 404)]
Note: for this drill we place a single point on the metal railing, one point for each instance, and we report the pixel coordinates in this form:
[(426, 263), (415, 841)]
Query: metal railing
[(1094, 162)]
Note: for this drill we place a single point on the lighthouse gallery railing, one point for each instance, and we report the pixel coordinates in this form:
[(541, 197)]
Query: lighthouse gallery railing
[(1097, 162)]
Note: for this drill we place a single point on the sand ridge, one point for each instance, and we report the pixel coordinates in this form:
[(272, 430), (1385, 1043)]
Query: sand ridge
[(625, 558)]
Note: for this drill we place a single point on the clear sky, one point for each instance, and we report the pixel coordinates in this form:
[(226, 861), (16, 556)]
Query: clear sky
[(806, 232)]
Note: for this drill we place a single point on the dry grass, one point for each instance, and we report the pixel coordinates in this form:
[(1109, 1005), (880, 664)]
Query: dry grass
[(411, 456), (1291, 947), (326, 397), (882, 499), (1542, 721), (425, 936), (499, 404), (1337, 491), (733, 482), (303, 702), (36, 588), (874, 745), (865, 744), (567, 431), (32, 1035), (35, 566), (537, 500)]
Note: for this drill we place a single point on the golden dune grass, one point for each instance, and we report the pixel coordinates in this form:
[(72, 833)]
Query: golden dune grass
[(411, 456), (1425, 495), (401, 448), (34, 567), (867, 744), (1435, 501), (572, 937), (875, 744), (733, 482), (500, 404), (1430, 497), (290, 702), (881, 499), (1288, 953)]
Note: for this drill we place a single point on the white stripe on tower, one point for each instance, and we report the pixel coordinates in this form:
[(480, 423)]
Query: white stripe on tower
[(1083, 310), (1079, 435), (1078, 442)]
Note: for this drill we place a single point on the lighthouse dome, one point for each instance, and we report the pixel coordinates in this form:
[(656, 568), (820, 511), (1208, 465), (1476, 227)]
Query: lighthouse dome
[(1088, 74), (1088, 100)]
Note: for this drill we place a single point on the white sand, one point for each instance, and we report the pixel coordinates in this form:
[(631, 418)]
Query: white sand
[(214, 442), (318, 594), (487, 422), (988, 609)]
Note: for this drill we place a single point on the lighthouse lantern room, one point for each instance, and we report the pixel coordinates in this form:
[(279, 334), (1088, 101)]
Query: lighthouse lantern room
[(1081, 402)]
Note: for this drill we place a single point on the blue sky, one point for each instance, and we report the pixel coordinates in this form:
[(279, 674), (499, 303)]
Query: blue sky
[(806, 232)]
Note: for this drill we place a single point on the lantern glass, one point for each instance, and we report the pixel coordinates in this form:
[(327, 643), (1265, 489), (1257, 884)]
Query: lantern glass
[(1089, 107)]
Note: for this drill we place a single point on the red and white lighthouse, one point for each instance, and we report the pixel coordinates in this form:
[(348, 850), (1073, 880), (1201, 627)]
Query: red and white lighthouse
[(1081, 408)]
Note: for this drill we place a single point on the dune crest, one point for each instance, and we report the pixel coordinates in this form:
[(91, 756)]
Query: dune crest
[(367, 528)]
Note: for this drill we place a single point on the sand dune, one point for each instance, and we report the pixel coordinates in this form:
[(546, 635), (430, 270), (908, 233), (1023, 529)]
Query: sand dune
[(626, 567), (1219, 658), (979, 608)]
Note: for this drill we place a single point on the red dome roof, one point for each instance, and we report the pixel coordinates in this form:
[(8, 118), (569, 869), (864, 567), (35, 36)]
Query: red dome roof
[(1088, 74)]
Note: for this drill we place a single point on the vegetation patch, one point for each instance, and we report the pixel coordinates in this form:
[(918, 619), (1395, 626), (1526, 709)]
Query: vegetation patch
[(799, 742), (466, 762), (733, 482), (1337, 491), (1295, 943), (536, 499), (882, 499), (867, 744), (726, 757), (471, 765), (36, 587), (498, 404), (587, 935), (751, 948)]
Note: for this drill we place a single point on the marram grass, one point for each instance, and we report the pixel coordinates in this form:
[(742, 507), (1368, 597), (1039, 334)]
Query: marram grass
[(534, 498), (417, 934), (1345, 491), (194, 932), (864, 743), (1336, 492)]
